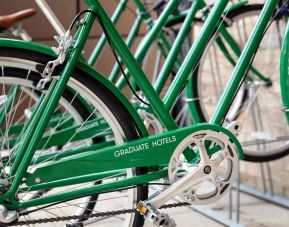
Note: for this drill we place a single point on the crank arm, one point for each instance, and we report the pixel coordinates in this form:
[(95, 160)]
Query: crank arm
[(179, 187)]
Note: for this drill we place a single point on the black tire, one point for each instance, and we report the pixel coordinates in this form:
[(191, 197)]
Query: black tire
[(121, 115)]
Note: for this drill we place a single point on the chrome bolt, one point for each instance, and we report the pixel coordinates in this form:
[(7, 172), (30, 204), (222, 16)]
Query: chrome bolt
[(207, 169), (37, 180)]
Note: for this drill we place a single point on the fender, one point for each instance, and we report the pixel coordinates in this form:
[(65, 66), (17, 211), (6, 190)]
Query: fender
[(83, 66), (284, 72)]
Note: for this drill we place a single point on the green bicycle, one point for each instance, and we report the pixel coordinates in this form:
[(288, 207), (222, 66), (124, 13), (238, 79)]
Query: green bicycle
[(262, 143), (237, 14), (199, 161)]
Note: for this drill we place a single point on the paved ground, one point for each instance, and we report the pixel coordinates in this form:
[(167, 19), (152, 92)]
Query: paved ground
[(253, 213)]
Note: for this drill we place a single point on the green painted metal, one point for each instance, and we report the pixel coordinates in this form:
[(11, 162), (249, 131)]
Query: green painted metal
[(284, 72), (133, 66), (243, 63), (237, 51), (66, 121), (88, 178), (27, 123), (173, 54), (59, 197), (129, 155), (173, 19), (100, 162), (109, 186), (32, 46), (224, 37), (41, 117), (129, 41), (82, 66), (23, 156), (90, 129), (65, 125), (58, 155), (149, 38), (122, 99), (191, 60), (143, 15), (100, 44)]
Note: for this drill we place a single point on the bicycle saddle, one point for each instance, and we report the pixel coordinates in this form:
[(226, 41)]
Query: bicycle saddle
[(9, 20)]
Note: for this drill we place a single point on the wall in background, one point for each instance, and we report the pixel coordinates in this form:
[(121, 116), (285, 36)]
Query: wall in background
[(41, 31)]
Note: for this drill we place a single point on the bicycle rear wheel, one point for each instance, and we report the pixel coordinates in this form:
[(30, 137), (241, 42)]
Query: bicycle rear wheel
[(18, 70), (258, 103)]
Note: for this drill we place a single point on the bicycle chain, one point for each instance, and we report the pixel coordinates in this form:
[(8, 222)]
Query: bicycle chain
[(87, 216)]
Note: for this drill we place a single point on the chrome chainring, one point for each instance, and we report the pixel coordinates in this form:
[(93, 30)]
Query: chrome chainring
[(214, 174)]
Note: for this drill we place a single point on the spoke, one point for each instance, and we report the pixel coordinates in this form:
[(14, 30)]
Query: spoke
[(55, 128), (181, 113), (20, 100), (55, 157)]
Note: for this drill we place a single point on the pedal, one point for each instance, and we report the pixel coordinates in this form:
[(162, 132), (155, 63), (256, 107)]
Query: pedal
[(154, 216)]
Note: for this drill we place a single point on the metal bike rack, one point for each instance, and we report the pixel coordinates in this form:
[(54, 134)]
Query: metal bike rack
[(229, 220), (268, 193)]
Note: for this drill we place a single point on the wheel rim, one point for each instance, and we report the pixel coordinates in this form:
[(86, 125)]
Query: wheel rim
[(260, 140)]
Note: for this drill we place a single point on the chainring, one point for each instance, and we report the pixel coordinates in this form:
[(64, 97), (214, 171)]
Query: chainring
[(215, 170)]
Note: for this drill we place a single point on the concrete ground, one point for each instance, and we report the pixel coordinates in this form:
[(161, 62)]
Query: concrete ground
[(253, 213)]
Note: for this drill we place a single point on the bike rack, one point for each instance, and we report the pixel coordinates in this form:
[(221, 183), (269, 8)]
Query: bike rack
[(268, 193)]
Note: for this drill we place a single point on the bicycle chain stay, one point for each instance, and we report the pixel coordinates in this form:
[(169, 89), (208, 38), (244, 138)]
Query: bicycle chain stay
[(87, 216)]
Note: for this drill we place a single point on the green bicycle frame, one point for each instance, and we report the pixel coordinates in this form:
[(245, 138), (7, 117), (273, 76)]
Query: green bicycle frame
[(99, 47), (117, 157), (41, 118)]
